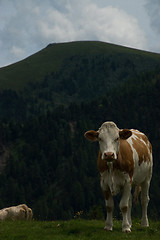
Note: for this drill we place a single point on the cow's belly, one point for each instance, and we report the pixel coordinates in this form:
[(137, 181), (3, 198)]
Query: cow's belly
[(113, 181), (142, 172)]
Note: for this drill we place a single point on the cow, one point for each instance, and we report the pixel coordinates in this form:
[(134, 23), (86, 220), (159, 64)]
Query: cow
[(20, 212), (124, 160)]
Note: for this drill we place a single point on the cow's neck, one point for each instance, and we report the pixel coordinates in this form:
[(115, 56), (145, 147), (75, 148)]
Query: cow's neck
[(110, 167), (113, 180)]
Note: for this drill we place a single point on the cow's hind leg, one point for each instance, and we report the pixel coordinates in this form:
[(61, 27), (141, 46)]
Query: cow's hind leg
[(144, 202), (129, 211), (109, 206)]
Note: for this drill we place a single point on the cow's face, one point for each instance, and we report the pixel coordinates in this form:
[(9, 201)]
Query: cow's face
[(109, 137)]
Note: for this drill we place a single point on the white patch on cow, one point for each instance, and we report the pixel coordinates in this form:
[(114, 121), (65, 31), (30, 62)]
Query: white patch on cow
[(108, 134), (144, 167), (129, 140), (113, 181)]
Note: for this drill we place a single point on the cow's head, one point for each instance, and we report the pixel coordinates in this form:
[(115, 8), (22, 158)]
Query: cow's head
[(109, 136)]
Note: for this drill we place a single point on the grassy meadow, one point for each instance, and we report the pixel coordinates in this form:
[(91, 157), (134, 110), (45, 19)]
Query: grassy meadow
[(74, 229)]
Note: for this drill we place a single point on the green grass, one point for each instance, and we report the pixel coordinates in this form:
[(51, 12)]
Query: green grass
[(74, 229)]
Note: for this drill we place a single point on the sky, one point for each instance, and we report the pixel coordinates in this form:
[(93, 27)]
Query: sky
[(27, 26)]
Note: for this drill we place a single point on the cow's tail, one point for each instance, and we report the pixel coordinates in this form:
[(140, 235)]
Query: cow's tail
[(136, 193)]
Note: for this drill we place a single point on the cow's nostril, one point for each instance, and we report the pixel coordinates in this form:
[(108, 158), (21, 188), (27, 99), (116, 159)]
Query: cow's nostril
[(109, 155)]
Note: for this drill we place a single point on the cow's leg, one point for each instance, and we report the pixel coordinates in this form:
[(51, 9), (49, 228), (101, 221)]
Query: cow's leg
[(109, 206), (129, 210), (125, 207), (144, 202)]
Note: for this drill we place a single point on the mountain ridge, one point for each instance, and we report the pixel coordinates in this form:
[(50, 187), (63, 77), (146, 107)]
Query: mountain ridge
[(50, 59)]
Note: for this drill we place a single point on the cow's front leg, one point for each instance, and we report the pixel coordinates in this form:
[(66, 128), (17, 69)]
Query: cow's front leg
[(125, 207), (109, 207)]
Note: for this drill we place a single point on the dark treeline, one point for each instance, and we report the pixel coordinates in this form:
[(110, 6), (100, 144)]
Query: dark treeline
[(51, 167)]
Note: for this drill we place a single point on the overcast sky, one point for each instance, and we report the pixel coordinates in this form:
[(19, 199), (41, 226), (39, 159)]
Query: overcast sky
[(27, 26)]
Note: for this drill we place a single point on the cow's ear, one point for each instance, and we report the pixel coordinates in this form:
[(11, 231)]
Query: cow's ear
[(125, 133), (91, 135)]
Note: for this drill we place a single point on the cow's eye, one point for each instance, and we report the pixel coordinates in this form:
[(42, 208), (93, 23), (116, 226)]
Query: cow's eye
[(100, 139)]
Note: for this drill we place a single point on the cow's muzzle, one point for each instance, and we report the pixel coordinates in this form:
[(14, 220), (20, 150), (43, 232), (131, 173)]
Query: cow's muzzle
[(109, 156)]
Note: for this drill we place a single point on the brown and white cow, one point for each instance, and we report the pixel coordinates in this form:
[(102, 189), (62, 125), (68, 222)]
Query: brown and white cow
[(125, 159)]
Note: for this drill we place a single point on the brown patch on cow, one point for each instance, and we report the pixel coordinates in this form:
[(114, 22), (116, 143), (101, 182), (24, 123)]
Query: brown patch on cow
[(143, 147), (125, 162), (136, 193), (101, 164), (109, 209), (106, 194), (124, 209)]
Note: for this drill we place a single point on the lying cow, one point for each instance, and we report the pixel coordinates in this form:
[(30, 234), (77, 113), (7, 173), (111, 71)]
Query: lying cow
[(20, 212), (125, 159)]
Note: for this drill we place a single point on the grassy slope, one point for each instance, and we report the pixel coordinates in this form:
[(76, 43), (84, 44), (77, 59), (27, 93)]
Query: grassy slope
[(74, 229), (49, 59)]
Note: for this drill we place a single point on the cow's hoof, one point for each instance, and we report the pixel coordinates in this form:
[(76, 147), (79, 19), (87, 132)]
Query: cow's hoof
[(144, 222), (126, 230), (108, 228)]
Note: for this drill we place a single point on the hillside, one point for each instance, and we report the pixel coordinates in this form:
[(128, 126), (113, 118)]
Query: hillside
[(73, 56), (49, 100), (71, 72)]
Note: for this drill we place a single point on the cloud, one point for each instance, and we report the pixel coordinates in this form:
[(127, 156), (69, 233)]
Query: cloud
[(153, 10), (112, 25), (91, 22), (17, 51), (27, 26), (56, 27)]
